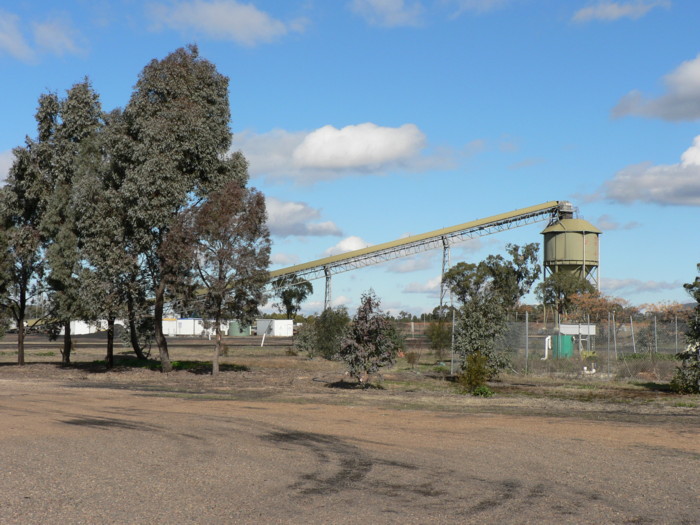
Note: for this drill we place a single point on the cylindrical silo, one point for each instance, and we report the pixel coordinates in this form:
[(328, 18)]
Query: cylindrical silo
[(571, 245)]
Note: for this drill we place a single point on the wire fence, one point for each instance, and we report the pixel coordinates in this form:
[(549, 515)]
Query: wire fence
[(631, 348)]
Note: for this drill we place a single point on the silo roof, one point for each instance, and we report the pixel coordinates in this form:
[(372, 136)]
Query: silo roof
[(571, 225)]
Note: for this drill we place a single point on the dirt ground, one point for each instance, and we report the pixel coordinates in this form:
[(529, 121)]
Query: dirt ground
[(280, 439)]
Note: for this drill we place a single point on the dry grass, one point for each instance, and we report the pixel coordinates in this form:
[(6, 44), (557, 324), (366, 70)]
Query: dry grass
[(250, 370)]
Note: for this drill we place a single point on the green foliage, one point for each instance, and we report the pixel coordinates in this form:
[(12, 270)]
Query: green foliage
[(305, 338), (174, 154), (22, 206), (687, 378), (292, 291), (440, 335), (475, 373), (331, 326), (487, 291), (479, 330), (558, 289), (482, 391), (370, 343), (143, 327)]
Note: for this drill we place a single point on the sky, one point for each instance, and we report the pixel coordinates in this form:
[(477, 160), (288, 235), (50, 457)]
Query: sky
[(368, 120)]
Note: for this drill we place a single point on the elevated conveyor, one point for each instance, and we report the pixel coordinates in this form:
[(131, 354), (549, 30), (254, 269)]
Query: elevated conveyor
[(414, 244)]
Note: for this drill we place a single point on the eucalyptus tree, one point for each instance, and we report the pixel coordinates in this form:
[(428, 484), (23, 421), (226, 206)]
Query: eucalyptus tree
[(79, 118), (109, 263), (232, 255), (177, 124), (22, 206), (559, 288), (292, 291), (488, 291)]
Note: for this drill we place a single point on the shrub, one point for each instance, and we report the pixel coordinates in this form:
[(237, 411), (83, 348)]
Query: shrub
[(412, 358), (440, 335), (330, 328), (482, 391), (475, 373), (479, 331), (687, 378), (305, 339), (371, 342)]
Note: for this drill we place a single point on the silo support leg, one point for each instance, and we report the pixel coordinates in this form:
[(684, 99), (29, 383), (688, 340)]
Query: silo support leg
[(328, 296)]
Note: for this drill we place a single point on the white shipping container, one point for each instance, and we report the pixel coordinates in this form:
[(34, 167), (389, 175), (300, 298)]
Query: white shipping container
[(275, 327)]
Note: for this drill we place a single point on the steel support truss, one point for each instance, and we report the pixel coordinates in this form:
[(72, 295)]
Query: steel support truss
[(417, 244)]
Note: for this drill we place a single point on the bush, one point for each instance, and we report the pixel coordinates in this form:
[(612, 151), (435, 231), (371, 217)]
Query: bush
[(371, 342), (482, 391), (440, 335), (330, 327), (687, 378), (479, 332), (475, 373), (412, 358), (305, 339), (323, 335)]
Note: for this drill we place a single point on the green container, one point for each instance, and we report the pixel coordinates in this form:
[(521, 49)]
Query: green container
[(562, 346), (236, 330)]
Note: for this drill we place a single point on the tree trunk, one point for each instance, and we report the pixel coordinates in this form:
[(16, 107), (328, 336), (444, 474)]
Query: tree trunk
[(217, 350), (110, 343), (158, 325), (133, 334), (20, 337), (67, 344)]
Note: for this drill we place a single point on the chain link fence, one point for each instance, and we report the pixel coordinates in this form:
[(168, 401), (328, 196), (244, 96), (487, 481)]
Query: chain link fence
[(631, 348)]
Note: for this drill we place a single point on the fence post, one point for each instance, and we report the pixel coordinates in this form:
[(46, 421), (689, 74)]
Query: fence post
[(608, 356), (452, 357), (634, 345), (676, 318), (614, 334), (527, 339)]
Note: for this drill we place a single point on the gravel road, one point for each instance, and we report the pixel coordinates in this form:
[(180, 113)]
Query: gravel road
[(74, 455)]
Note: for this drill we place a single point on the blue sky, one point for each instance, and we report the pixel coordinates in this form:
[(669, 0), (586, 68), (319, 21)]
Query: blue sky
[(366, 120)]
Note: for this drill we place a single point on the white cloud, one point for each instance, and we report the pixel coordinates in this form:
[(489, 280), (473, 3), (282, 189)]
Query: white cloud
[(416, 263), (11, 40), (286, 218), (284, 259), (610, 11), (673, 184), (632, 286), (432, 287), (330, 153), (467, 249), (389, 13), (348, 244), (56, 37), (225, 20), (680, 102), (363, 146), (608, 223)]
